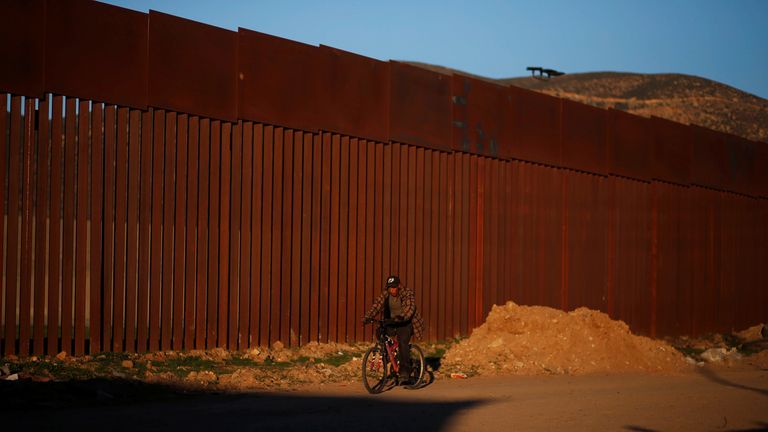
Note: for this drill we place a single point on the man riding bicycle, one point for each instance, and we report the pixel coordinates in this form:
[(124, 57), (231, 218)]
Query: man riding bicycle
[(398, 304)]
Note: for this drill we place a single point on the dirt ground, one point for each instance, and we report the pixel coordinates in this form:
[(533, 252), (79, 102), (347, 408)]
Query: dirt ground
[(525, 368), (708, 399)]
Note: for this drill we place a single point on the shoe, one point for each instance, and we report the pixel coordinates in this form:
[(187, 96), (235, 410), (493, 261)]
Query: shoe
[(406, 382)]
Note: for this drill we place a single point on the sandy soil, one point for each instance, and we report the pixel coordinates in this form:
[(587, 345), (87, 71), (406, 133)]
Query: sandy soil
[(705, 399)]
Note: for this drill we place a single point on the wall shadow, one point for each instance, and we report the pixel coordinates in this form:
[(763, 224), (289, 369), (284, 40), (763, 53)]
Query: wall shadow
[(133, 405)]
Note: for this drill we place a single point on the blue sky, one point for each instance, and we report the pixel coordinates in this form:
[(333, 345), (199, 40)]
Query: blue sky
[(726, 41)]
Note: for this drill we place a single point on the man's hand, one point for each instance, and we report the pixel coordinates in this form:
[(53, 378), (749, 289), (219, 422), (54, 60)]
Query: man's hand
[(367, 320)]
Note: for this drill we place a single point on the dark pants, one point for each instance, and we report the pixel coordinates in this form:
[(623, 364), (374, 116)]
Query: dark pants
[(403, 333)]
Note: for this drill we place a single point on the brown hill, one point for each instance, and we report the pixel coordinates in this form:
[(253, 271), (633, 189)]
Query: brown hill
[(681, 98)]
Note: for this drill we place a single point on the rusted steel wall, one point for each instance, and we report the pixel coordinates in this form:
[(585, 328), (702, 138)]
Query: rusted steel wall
[(264, 198)]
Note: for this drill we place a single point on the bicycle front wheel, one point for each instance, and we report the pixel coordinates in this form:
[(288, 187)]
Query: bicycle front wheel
[(417, 366), (374, 370)]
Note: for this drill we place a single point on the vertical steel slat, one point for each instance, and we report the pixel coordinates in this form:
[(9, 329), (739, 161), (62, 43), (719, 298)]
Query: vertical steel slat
[(284, 289), (257, 205), (202, 296), (131, 289), (360, 236), (325, 241), (370, 285), (306, 287), (41, 218), (82, 226), (224, 228), (3, 174), (417, 277), (297, 175), (56, 216), (166, 287), (145, 219), (315, 258), (450, 264), (343, 295), (97, 236), (404, 203), (68, 253), (266, 235), (245, 236), (12, 241), (214, 206), (377, 150), (437, 216), (397, 204), (27, 225), (464, 226), (118, 325), (277, 231), (494, 286), (442, 245), (387, 214), (333, 285), (156, 237), (191, 288), (179, 231), (353, 293), (424, 259), (109, 229), (474, 188), (409, 242), (234, 236)]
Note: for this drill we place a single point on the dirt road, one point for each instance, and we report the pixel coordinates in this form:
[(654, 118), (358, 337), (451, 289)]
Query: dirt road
[(706, 400)]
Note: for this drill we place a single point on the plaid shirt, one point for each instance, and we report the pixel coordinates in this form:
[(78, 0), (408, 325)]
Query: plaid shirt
[(410, 312)]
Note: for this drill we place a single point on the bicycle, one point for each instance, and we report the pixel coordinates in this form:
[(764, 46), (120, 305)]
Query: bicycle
[(380, 364)]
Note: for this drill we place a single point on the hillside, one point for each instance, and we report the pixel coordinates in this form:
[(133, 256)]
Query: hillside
[(677, 97)]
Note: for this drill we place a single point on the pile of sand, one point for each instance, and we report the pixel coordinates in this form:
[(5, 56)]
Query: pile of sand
[(529, 340)]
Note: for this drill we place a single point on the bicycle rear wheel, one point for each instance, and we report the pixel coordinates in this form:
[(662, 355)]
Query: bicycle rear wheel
[(417, 366), (374, 370)]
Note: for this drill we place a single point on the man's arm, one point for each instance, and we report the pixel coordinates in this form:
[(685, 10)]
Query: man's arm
[(409, 304), (378, 304)]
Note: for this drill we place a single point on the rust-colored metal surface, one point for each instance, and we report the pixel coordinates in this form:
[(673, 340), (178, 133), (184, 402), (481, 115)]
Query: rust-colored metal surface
[(96, 216), (214, 251), (629, 145), (192, 67), (81, 269), (741, 164), (709, 165), (68, 252), (674, 270), (12, 240), (121, 200), (420, 110), (169, 199), (192, 291), (156, 246), (343, 218), (307, 264), (56, 215), (353, 327), (284, 306), (705, 214), (203, 250), (3, 193), (179, 232), (480, 116), (256, 240), (277, 232), (672, 150), (324, 158), (354, 94), (132, 228), (110, 137), (279, 81), (316, 218), (22, 50), (234, 232), (225, 162), (145, 220), (246, 191), (535, 122), (631, 250), (25, 279), (110, 45), (41, 219), (584, 137), (294, 329), (586, 248)]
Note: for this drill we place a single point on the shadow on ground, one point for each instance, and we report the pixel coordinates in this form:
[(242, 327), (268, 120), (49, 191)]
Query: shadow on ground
[(133, 405), (714, 377)]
